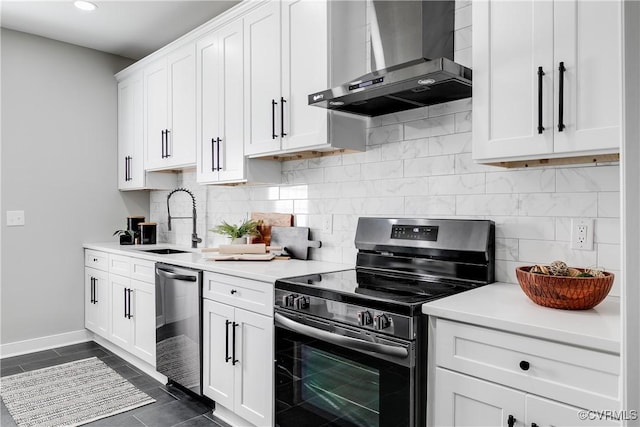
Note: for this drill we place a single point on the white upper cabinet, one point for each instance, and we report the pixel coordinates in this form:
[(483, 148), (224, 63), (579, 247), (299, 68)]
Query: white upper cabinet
[(546, 79), (170, 110), (288, 55), (220, 111), (131, 170)]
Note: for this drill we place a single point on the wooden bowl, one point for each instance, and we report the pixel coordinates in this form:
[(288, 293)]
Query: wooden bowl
[(568, 293)]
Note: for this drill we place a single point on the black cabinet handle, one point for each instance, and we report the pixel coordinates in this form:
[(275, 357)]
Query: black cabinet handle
[(92, 290), (166, 133), (540, 74), (125, 303), (226, 341), (162, 143), (511, 421), (282, 101), (213, 157), (273, 119), (129, 291), (126, 168), (524, 365), (95, 290), (233, 291), (218, 153), (561, 125), (233, 349), (534, 425)]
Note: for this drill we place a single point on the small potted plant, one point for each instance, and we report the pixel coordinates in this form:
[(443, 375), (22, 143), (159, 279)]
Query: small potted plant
[(237, 233), (127, 237)]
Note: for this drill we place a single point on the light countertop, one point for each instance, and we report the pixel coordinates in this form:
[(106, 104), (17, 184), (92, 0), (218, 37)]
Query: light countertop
[(264, 271), (504, 306)]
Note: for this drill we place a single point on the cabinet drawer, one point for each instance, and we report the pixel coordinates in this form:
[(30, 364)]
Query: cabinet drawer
[(579, 376), (97, 260), (143, 270), (243, 293), (120, 265)]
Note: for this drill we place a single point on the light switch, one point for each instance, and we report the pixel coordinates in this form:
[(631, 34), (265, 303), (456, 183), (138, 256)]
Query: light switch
[(15, 218)]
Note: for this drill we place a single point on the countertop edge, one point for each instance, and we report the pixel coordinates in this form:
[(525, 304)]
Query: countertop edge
[(478, 307)]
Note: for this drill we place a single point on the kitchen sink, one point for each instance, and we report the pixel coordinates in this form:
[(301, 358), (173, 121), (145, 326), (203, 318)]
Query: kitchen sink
[(165, 251)]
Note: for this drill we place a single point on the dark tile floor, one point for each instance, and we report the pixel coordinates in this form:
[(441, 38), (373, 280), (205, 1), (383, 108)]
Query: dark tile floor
[(171, 408)]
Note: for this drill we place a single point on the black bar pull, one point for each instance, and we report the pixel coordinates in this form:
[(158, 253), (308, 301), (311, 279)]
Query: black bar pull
[(226, 341), (282, 101), (92, 290), (218, 153), (540, 74), (534, 425), (273, 119), (213, 158), (166, 133), (561, 125), (162, 142), (129, 291), (511, 421), (233, 349), (524, 365), (125, 303), (126, 168)]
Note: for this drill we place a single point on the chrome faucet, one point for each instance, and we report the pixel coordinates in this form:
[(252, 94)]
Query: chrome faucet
[(194, 236)]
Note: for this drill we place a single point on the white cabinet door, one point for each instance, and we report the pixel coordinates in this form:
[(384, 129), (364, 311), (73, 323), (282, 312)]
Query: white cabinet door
[(143, 321), (545, 412), (156, 105), (218, 372), (254, 370), (304, 71), (181, 141), (230, 149), (120, 325), (131, 173), (262, 54), (221, 105), (96, 293), (588, 42), (462, 400), (512, 41)]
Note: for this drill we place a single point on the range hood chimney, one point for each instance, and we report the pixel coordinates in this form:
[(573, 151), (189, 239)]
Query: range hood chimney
[(411, 51)]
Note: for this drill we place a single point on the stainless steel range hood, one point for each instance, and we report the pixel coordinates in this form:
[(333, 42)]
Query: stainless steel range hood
[(411, 45)]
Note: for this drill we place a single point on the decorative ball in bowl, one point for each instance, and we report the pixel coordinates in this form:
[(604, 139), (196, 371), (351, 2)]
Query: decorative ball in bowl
[(578, 291)]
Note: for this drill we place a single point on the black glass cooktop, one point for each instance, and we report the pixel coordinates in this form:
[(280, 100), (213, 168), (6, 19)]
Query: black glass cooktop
[(373, 289)]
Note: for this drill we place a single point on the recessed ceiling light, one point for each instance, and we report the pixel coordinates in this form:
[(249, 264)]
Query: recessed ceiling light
[(85, 5)]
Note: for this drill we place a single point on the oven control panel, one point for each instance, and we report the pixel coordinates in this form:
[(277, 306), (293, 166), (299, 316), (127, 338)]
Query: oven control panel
[(415, 232), (363, 317)]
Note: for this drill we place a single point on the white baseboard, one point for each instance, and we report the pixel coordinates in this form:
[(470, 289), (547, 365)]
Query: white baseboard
[(43, 343), (134, 360), (229, 417)]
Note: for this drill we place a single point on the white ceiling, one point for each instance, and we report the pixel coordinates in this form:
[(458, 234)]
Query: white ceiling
[(132, 29)]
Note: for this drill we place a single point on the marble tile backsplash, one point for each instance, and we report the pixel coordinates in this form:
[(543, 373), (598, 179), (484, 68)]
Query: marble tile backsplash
[(418, 164)]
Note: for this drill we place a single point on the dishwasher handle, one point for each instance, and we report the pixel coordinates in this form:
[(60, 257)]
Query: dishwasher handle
[(174, 276)]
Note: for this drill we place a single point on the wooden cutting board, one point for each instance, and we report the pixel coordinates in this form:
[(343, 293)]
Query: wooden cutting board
[(294, 240), (267, 220)]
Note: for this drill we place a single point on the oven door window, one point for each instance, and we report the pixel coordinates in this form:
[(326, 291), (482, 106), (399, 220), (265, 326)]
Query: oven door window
[(322, 384)]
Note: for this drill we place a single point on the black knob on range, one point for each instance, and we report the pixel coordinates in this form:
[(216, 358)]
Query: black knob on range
[(287, 300), (301, 302), (381, 321), (364, 318)]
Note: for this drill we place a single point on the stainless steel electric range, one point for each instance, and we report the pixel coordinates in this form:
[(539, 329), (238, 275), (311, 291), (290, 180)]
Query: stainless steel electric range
[(351, 346)]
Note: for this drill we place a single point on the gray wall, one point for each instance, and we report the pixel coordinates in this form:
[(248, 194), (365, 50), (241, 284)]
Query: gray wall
[(59, 136)]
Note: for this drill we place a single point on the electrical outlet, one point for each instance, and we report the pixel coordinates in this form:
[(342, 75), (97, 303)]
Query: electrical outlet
[(15, 218), (327, 223), (582, 234)]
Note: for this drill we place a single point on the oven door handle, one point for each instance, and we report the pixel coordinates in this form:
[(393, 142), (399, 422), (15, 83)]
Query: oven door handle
[(352, 343)]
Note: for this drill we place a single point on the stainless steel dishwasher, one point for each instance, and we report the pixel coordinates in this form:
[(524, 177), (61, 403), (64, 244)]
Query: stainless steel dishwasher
[(178, 331)]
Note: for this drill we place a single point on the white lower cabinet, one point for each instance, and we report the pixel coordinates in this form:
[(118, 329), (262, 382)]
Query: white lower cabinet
[(238, 348), (489, 377), (96, 306), (120, 302)]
